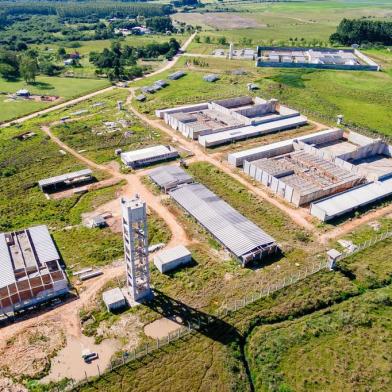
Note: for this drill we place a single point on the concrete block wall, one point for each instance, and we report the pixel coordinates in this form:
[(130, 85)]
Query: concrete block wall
[(185, 109), (359, 139), (277, 186)]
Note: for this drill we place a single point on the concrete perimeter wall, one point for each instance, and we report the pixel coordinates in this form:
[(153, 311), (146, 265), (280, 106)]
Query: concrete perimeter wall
[(283, 147)]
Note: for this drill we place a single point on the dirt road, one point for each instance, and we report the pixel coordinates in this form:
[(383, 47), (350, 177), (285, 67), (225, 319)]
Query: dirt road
[(165, 67), (299, 216), (69, 312)]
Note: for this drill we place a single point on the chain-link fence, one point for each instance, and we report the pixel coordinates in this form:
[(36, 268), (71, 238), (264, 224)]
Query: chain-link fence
[(366, 244)]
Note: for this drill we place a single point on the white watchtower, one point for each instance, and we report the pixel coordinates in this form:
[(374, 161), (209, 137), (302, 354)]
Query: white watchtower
[(134, 223)]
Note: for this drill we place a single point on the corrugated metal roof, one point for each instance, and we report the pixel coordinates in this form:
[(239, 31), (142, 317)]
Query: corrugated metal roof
[(43, 244), (172, 254), (231, 228), (169, 176), (64, 177), (146, 153), (354, 198), (215, 139), (6, 270)]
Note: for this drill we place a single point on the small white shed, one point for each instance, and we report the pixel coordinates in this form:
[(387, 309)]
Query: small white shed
[(114, 299), (170, 259)]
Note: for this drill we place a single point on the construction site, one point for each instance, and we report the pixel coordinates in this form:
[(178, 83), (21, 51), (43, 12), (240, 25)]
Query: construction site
[(229, 120), (322, 58), (331, 171), (30, 271)]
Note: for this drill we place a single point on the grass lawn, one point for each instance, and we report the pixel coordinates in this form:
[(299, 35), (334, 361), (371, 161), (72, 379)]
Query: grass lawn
[(328, 350), (65, 88)]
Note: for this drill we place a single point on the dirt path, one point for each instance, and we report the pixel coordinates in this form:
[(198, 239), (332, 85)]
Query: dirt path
[(352, 224), (133, 186), (68, 313), (299, 216), (165, 67)]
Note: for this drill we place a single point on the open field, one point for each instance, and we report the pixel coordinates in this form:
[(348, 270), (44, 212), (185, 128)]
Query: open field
[(364, 98), (328, 350), (85, 47), (97, 140), (65, 88), (246, 21), (219, 363)]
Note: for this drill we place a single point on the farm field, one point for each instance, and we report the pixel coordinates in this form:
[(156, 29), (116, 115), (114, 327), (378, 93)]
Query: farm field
[(65, 88), (245, 22)]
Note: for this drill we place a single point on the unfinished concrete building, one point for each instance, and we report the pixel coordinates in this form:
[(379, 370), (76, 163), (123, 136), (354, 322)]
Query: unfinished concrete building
[(300, 177), (30, 271), (135, 235), (234, 115), (323, 58), (345, 170), (67, 180)]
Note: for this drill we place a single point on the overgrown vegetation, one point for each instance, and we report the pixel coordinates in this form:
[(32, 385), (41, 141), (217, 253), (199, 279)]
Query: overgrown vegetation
[(363, 31), (328, 350)]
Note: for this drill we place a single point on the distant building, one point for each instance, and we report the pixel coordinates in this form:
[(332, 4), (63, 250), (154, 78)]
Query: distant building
[(65, 180), (23, 93), (30, 271), (69, 62), (149, 155), (176, 75), (323, 58), (211, 78)]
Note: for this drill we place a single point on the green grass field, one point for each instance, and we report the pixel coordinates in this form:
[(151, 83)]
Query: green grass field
[(364, 98), (327, 351), (276, 22), (65, 88), (99, 141)]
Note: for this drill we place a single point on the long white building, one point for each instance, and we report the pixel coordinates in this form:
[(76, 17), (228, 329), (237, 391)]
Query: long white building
[(148, 156)]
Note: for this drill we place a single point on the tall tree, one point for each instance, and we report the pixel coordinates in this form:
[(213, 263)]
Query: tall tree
[(28, 68)]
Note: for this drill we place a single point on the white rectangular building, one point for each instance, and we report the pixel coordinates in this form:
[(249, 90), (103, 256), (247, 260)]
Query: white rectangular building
[(114, 299), (172, 258), (149, 155)]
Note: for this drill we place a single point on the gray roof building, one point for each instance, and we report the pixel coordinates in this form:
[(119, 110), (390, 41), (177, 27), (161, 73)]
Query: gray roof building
[(168, 177), (66, 179), (240, 236)]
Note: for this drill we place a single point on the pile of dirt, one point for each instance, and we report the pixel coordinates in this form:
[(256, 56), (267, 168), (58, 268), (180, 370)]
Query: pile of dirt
[(126, 329), (6, 384), (28, 353)]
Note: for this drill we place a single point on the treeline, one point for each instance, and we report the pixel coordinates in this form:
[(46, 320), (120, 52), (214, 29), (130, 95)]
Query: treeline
[(362, 31), (119, 62), (86, 9)]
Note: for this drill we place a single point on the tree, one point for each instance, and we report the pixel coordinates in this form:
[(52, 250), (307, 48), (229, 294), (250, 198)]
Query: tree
[(9, 64), (28, 69), (61, 53), (160, 24), (222, 41)]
